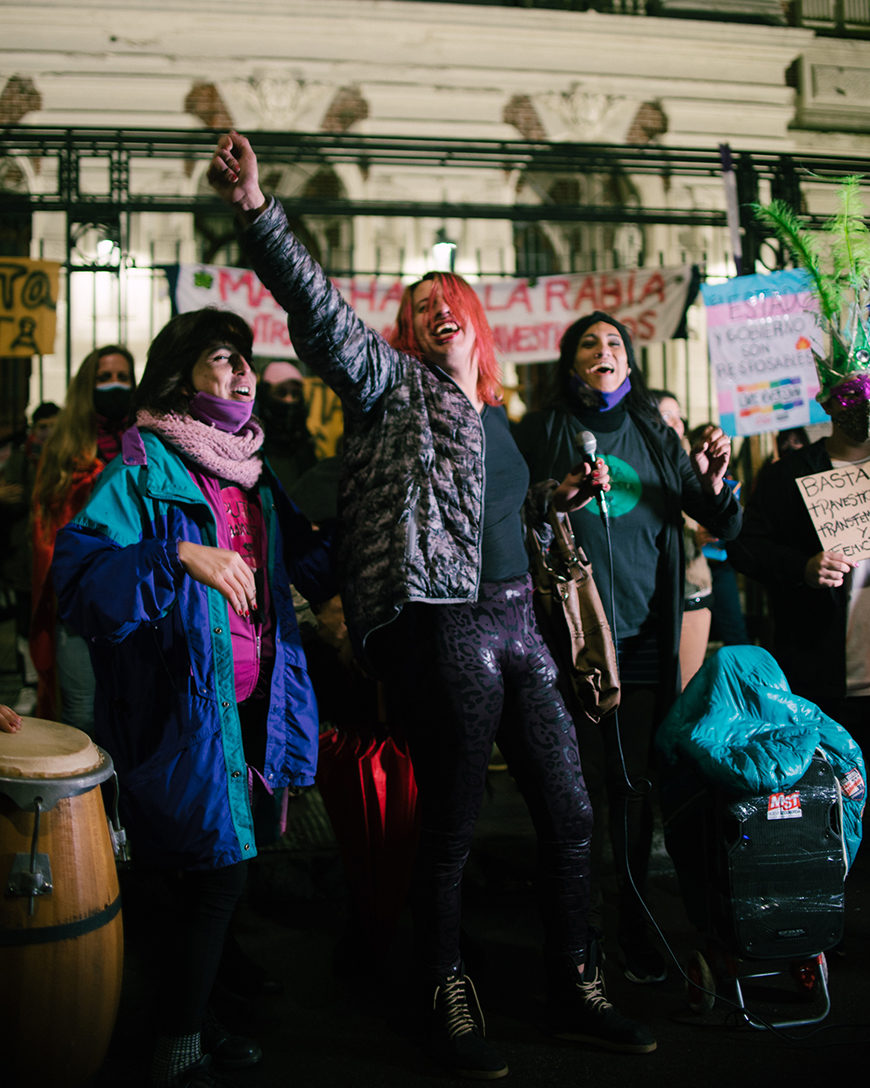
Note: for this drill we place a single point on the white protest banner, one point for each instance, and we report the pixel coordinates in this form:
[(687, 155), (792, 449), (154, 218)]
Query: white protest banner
[(527, 317), (838, 502), (195, 286), (761, 331)]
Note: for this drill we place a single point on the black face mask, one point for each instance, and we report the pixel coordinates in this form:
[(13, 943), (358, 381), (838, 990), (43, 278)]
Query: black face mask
[(282, 419), (113, 401), (854, 421)]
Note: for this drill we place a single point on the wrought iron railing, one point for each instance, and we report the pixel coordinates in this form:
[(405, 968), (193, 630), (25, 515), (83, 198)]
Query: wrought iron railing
[(842, 18)]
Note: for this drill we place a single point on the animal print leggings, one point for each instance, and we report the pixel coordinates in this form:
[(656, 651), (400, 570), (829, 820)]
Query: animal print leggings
[(465, 676)]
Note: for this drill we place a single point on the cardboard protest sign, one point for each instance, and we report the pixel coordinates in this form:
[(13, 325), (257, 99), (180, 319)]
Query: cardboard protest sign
[(761, 332), (28, 306), (838, 502)]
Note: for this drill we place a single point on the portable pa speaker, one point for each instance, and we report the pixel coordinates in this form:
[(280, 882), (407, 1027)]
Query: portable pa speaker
[(785, 868)]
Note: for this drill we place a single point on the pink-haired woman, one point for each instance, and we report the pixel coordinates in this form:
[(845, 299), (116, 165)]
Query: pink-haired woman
[(438, 598)]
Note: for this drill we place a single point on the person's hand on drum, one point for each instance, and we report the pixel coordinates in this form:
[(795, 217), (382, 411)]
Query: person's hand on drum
[(223, 570), (10, 722)]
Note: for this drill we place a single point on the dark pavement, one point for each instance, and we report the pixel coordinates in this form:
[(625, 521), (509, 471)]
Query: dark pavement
[(354, 1025), (336, 1027)]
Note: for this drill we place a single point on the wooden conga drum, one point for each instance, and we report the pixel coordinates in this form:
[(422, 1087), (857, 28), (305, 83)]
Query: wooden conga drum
[(61, 941)]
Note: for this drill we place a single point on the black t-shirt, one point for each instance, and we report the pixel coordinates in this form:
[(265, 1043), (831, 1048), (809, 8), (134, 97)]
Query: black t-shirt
[(637, 519), (507, 481)]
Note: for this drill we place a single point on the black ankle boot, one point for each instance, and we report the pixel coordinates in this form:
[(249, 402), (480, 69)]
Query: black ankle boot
[(579, 1011), (456, 1031), (228, 1051)]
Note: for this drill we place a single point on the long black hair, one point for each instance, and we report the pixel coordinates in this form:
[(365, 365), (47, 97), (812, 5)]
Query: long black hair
[(638, 397), (175, 350)]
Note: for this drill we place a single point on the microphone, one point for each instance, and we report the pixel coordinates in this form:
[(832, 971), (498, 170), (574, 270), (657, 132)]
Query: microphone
[(586, 445)]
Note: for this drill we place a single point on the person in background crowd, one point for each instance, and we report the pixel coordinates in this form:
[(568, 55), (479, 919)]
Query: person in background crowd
[(793, 438), (638, 563), (178, 571), (12, 439), (728, 623), (281, 408), (695, 631), (17, 480), (819, 599), (86, 437), (437, 594)]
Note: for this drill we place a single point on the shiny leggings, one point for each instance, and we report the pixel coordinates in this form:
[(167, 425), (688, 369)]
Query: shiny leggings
[(463, 676)]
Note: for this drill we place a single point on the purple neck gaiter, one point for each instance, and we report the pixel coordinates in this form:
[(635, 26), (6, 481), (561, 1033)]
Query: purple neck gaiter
[(226, 415), (585, 394)]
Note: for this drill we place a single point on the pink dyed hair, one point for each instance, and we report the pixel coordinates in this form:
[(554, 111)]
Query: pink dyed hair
[(464, 304)]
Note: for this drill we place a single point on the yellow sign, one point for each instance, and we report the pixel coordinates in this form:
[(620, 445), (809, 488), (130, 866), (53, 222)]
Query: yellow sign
[(325, 419), (28, 306)]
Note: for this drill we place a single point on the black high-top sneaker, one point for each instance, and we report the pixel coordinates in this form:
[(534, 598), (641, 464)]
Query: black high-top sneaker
[(580, 1012), (456, 1031)]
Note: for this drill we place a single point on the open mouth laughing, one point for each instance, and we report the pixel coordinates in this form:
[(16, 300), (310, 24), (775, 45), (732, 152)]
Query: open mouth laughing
[(444, 330)]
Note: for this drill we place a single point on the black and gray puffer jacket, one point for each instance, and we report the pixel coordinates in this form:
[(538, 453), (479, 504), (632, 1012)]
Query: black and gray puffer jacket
[(411, 491)]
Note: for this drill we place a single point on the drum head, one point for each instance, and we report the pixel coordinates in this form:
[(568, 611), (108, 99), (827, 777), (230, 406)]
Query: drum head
[(44, 749)]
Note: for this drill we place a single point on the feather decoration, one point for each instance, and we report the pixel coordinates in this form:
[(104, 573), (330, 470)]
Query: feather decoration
[(850, 251), (804, 248), (850, 238), (843, 293)]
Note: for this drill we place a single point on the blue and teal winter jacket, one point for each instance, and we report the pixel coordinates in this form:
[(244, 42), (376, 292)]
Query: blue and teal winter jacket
[(742, 729), (160, 645)]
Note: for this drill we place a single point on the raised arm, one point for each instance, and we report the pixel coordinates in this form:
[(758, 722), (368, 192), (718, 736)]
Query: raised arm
[(327, 334), (710, 456), (234, 176), (706, 498)]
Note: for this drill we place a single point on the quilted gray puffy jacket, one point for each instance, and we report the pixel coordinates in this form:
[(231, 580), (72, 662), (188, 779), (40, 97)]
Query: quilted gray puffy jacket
[(411, 491)]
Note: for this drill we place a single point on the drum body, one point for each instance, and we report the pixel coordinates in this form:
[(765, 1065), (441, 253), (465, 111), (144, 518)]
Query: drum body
[(61, 948)]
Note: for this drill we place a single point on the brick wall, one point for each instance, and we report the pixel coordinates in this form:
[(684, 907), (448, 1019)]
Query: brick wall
[(347, 107), (521, 113), (18, 97), (649, 122), (204, 101)]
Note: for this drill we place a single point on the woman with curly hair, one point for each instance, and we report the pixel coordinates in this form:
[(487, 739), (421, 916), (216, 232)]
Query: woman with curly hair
[(178, 573), (86, 436)]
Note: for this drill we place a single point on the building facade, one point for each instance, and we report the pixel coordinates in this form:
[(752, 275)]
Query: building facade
[(539, 138)]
